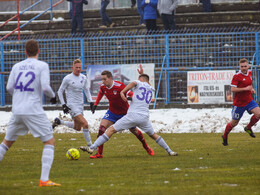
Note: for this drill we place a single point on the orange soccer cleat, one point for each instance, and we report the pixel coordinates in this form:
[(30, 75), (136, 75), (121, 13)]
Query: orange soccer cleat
[(97, 155), (48, 183)]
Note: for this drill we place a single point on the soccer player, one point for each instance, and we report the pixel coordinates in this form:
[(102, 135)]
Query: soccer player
[(73, 85), (241, 85), (137, 115), (117, 109), (26, 82)]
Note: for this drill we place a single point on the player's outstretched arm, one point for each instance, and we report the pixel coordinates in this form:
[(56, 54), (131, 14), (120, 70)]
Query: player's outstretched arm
[(127, 88)]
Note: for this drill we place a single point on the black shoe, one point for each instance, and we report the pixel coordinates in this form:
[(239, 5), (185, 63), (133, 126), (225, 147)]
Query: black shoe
[(56, 122), (224, 142), (250, 132)]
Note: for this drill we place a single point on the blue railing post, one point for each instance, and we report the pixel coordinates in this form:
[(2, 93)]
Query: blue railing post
[(82, 53), (257, 63), (82, 60), (2, 87), (167, 70), (51, 11)]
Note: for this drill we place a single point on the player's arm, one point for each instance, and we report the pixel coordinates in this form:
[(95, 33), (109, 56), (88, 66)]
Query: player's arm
[(11, 83), (63, 86), (127, 88), (45, 83), (99, 97), (241, 89), (87, 91)]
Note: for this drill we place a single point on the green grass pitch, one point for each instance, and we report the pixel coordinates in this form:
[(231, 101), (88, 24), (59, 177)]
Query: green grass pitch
[(204, 166)]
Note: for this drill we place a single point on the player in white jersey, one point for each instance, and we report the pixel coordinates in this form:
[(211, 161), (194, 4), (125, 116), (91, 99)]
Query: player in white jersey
[(26, 82), (137, 115), (73, 85)]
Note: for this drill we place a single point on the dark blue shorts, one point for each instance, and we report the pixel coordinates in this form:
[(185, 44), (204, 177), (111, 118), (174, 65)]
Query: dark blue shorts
[(112, 117), (237, 112)]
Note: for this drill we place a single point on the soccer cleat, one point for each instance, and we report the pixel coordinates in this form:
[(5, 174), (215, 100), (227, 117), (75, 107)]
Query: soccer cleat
[(86, 149), (224, 141), (150, 151), (173, 153), (97, 155), (48, 183), (56, 122), (250, 132)]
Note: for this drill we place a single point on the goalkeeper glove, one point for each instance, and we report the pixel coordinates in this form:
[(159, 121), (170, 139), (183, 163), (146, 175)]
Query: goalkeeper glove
[(53, 100)]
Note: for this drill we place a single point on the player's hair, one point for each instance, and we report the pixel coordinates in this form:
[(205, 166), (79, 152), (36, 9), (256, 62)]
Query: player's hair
[(107, 73), (76, 61), (243, 60), (31, 48), (145, 76)]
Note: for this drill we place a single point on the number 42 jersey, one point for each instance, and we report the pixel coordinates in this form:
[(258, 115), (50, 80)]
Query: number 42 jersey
[(27, 80), (143, 93)]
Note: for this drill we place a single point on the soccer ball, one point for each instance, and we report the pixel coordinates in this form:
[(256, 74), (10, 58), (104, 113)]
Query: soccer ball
[(73, 154)]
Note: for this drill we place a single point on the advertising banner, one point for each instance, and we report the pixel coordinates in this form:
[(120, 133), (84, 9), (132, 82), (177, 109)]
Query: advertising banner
[(124, 73), (209, 87)]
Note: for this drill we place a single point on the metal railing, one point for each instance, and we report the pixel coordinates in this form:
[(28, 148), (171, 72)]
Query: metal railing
[(35, 17)]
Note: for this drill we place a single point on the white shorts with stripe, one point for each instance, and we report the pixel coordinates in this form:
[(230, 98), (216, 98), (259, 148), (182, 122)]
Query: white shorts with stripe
[(39, 125), (133, 119)]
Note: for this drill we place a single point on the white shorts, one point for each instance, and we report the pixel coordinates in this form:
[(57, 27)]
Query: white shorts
[(132, 119), (39, 125), (75, 111)]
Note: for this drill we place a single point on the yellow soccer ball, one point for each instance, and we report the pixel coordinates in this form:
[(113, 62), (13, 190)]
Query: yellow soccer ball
[(73, 154)]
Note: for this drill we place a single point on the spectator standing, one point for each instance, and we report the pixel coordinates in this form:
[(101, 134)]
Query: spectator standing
[(141, 12), (133, 3), (150, 14), (77, 15), (167, 9), (206, 5), (105, 18)]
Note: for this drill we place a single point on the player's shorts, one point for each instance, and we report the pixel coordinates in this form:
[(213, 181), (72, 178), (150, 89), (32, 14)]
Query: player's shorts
[(112, 117), (133, 119), (39, 125), (237, 112), (75, 110)]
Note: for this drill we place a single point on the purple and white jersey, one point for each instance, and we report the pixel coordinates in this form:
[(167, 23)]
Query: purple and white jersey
[(73, 86), (141, 99), (26, 82)]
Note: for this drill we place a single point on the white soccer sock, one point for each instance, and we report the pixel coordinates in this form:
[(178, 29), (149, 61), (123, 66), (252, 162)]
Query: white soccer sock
[(3, 149), (160, 141), (47, 159), (100, 140), (69, 124), (87, 136)]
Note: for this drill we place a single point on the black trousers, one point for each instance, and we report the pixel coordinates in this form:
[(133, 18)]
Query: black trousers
[(151, 25)]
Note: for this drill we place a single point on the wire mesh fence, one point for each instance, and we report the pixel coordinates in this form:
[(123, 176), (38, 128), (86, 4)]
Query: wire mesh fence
[(193, 49)]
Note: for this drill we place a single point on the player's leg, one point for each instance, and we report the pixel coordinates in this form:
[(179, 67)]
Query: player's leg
[(148, 129), (58, 121), (40, 126), (15, 127), (253, 108), (140, 136), (4, 147), (81, 122), (237, 113)]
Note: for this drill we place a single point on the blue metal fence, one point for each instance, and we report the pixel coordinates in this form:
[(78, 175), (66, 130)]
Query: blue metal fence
[(183, 51)]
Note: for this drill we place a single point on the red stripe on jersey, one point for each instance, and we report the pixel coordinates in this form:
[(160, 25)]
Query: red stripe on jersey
[(240, 80)]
